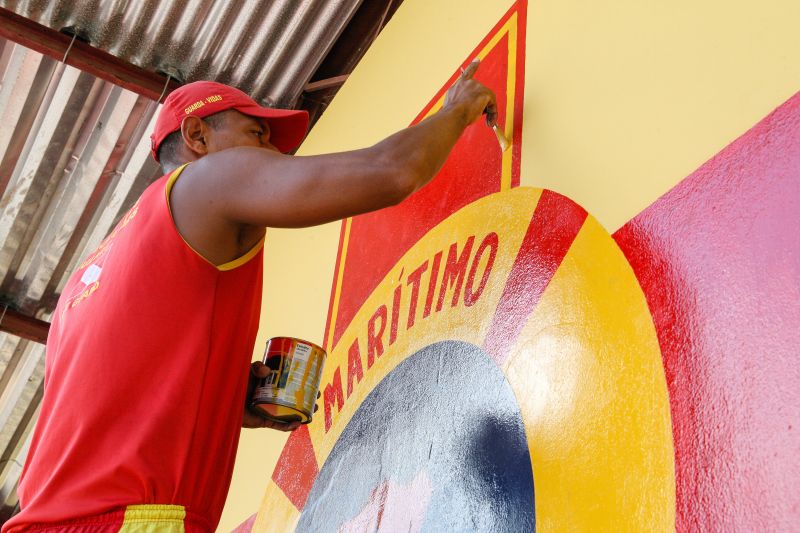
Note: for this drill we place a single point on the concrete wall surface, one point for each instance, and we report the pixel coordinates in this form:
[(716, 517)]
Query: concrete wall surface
[(595, 330)]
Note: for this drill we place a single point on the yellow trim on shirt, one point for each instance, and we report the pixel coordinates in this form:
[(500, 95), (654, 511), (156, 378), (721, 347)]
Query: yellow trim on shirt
[(230, 265), (154, 518)]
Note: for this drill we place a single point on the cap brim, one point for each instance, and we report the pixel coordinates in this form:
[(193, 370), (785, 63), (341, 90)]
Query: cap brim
[(287, 127)]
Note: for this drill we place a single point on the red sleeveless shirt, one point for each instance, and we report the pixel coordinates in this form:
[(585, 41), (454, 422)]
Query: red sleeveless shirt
[(146, 373)]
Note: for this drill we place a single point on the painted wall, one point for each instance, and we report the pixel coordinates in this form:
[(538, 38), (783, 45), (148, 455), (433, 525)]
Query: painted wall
[(490, 341)]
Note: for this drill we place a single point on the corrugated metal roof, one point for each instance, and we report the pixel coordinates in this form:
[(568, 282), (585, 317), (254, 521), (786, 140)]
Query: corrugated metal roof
[(267, 48), (74, 149)]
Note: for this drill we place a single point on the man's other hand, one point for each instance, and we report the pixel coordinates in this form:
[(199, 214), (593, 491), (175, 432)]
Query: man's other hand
[(259, 370)]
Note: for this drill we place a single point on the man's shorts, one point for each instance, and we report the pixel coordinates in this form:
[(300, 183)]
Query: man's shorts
[(133, 519)]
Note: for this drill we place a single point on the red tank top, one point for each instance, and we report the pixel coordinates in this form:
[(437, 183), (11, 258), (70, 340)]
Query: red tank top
[(146, 374)]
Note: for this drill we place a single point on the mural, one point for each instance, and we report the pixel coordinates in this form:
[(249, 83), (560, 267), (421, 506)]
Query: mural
[(499, 362), (492, 361)]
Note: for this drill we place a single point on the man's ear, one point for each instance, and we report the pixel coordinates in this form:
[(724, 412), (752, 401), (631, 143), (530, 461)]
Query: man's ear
[(193, 132)]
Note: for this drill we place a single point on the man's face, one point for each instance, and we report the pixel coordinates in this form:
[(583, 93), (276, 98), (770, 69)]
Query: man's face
[(236, 129)]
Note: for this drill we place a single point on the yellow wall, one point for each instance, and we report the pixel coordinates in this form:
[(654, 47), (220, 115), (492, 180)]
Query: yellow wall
[(622, 100)]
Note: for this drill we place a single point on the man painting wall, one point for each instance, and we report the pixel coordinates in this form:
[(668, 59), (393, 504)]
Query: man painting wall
[(148, 352)]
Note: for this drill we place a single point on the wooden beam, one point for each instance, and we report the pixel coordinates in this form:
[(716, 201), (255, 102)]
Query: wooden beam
[(83, 56), (24, 326), (320, 85)]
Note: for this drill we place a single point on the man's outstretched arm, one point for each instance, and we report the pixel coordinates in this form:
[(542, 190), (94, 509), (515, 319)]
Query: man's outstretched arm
[(257, 187)]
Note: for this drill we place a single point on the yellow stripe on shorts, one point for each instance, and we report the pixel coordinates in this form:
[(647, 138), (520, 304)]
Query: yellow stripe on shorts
[(153, 519)]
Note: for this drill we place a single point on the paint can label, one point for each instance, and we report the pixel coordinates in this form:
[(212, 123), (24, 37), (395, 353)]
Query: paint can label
[(289, 391)]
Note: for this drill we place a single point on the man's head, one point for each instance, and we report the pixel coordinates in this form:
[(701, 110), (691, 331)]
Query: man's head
[(205, 117)]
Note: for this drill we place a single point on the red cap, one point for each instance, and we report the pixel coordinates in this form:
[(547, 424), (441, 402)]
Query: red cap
[(204, 98)]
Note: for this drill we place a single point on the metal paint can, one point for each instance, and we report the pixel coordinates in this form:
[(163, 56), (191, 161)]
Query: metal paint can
[(289, 392)]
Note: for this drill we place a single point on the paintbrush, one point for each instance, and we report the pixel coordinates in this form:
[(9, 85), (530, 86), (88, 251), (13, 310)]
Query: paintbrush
[(501, 138)]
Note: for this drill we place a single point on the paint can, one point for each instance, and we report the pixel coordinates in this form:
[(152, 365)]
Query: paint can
[(289, 392)]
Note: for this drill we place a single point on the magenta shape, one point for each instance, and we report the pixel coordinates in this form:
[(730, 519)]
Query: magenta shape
[(718, 258)]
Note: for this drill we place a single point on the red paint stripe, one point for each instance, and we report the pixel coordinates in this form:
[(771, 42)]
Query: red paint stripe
[(554, 225), (297, 467), (519, 92), (327, 334)]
